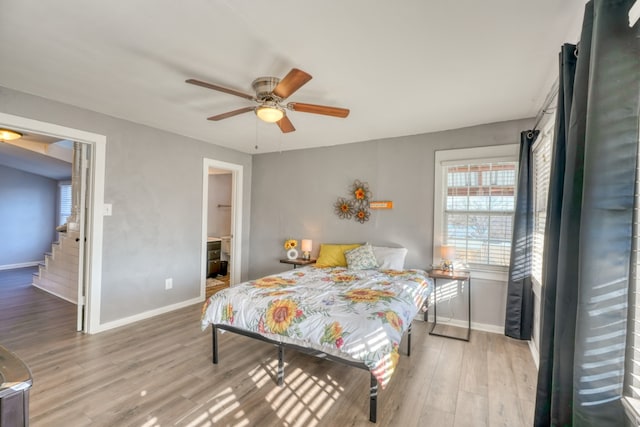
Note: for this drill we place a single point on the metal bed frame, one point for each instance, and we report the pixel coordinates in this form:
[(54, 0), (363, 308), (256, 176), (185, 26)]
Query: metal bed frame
[(373, 389)]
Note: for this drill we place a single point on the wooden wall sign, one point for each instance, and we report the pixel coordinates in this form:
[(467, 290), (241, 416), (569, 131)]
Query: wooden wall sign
[(381, 205)]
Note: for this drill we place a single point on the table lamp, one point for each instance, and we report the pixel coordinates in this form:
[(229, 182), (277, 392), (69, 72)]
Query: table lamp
[(447, 253), (306, 249)]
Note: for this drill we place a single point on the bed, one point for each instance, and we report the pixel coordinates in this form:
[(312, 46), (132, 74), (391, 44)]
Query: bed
[(357, 317)]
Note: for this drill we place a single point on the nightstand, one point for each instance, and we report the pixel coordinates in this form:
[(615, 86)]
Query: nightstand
[(450, 275), (298, 261)]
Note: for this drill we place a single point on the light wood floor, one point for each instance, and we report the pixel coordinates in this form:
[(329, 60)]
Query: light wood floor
[(158, 372), (214, 286)]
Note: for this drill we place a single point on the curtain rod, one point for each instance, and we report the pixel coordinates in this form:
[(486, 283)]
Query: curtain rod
[(551, 96)]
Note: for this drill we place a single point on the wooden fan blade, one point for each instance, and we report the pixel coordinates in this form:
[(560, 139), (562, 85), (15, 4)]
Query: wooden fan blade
[(220, 89), (293, 81), (285, 125), (318, 109), (231, 113)]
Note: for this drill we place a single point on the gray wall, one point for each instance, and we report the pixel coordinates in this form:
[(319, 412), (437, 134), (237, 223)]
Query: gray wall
[(293, 194), (219, 218), (154, 181), (27, 216)]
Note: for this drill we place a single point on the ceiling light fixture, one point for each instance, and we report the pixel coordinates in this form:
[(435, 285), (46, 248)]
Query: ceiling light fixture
[(9, 135), (270, 112)]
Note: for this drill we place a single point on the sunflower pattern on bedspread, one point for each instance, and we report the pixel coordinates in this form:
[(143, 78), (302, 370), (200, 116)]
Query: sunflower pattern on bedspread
[(358, 315)]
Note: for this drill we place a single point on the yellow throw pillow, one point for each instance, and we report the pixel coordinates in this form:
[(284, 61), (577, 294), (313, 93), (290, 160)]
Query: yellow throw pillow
[(333, 255)]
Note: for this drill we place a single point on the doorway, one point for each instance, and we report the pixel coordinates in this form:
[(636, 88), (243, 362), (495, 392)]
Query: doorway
[(88, 318), (221, 222)]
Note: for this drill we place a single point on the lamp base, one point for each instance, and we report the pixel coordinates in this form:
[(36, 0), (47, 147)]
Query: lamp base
[(447, 265), (306, 255)]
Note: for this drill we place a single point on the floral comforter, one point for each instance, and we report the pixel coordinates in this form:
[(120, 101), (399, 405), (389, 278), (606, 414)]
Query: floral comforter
[(360, 315)]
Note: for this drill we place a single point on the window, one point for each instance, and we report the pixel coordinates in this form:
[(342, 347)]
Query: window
[(474, 204), (542, 154), (541, 175), (64, 202)]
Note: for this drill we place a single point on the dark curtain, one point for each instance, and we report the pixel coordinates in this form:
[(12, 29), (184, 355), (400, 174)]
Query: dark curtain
[(519, 315), (587, 254)]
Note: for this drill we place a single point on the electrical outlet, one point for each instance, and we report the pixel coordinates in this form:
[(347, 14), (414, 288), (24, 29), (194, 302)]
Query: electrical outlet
[(168, 283)]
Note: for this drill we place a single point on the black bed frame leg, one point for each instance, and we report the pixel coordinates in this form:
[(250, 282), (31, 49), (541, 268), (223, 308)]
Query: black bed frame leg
[(214, 343), (373, 399), (280, 378), (409, 339)]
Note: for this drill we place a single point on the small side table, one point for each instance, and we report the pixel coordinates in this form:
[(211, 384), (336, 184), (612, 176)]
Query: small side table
[(450, 275), (298, 262)]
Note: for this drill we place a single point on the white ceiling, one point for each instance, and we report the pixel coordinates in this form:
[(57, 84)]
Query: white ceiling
[(402, 68), (16, 157)]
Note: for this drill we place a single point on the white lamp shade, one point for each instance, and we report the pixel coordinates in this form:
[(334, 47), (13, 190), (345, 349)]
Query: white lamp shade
[(447, 252), (306, 245), (269, 114)]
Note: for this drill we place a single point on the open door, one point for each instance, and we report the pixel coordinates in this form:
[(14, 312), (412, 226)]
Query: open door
[(81, 151), (234, 239), (92, 247)]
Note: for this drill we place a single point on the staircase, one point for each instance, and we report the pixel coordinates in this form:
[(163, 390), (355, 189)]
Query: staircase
[(58, 274)]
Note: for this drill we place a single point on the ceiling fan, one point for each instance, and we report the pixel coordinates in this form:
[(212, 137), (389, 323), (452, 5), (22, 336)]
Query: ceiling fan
[(270, 95)]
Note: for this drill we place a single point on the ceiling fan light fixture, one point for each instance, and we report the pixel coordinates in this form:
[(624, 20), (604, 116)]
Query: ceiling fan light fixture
[(270, 95), (270, 113), (9, 135)]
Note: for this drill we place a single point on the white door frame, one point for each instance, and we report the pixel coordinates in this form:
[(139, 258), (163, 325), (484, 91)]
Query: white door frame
[(236, 219), (96, 202), (82, 219)]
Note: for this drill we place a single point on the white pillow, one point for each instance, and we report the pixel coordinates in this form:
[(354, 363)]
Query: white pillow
[(390, 258)]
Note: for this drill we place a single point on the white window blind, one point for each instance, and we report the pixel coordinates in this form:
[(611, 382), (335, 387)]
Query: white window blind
[(479, 207), (64, 208), (541, 174), (633, 350)]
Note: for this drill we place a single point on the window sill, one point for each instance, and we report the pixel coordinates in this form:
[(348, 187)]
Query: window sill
[(632, 409), (537, 287)]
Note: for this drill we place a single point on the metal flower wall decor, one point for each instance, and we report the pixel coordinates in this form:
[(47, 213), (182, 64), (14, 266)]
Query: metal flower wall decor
[(356, 207), (344, 208)]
